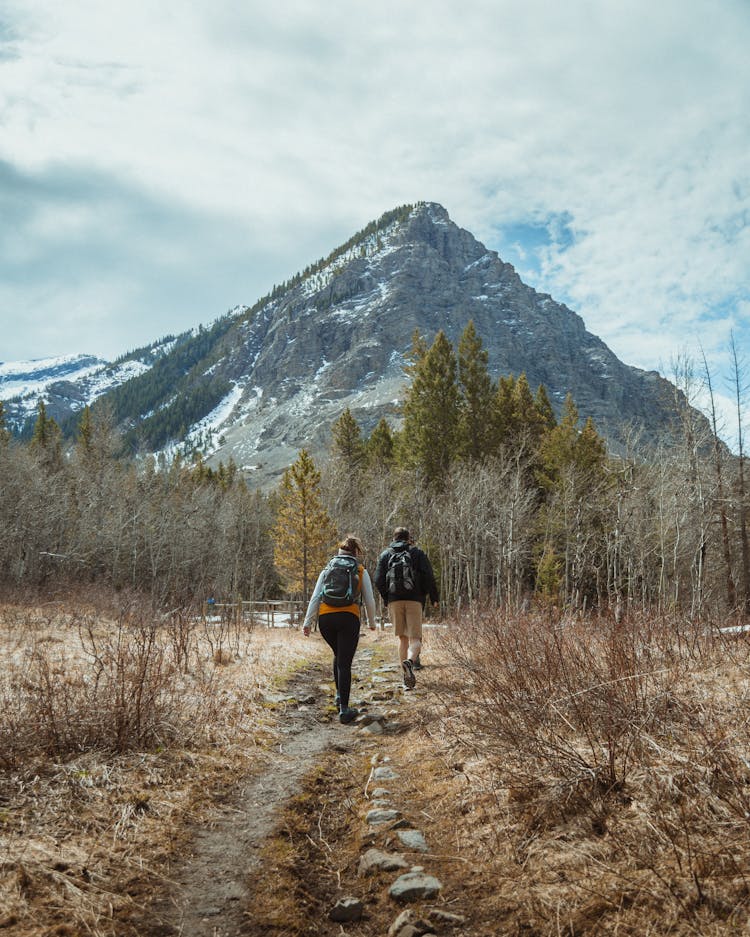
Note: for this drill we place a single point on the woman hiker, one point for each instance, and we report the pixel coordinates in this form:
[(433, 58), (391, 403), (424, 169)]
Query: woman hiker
[(336, 599)]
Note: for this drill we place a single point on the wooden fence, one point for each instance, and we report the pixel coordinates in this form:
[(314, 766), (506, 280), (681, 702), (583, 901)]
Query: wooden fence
[(273, 613)]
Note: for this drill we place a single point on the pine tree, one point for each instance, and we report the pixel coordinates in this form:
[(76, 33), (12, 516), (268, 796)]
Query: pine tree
[(86, 432), (46, 440), (4, 432), (430, 408), (544, 407), (380, 446), (304, 533), (504, 412), (558, 446), (590, 451), (475, 423), (528, 419), (348, 448)]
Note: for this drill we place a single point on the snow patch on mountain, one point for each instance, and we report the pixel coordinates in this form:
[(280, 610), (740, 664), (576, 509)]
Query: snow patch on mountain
[(24, 378), (205, 435)]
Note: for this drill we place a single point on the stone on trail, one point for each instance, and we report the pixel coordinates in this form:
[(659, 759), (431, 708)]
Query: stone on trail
[(381, 815), (274, 699), (408, 924), (373, 728), (384, 774), (381, 696), (375, 860), (413, 839), (346, 909), (380, 792), (414, 885), (448, 918), (367, 718)]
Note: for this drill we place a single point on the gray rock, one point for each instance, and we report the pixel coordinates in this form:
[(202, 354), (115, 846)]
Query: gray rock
[(373, 728), (380, 792), (381, 815), (413, 839), (367, 718), (274, 699), (346, 909), (447, 918), (414, 885), (408, 924), (375, 860), (384, 774)]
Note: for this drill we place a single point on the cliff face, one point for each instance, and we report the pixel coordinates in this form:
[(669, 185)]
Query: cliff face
[(338, 339)]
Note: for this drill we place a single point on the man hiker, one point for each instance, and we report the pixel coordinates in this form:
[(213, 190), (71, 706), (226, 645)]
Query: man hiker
[(404, 579)]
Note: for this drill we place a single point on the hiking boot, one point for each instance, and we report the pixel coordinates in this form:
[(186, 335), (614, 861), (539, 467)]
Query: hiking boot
[(416, 664), (410, 681), (348, 715)]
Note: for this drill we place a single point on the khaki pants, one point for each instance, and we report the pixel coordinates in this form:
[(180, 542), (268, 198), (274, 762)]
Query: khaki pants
[(406, 616)]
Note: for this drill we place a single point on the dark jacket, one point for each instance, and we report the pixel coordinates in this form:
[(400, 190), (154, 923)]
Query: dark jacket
[(424, 579)]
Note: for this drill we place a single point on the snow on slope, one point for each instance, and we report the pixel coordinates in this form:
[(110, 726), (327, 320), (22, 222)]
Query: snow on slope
[(21, 378)]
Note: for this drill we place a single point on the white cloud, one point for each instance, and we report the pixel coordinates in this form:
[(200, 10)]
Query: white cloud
[(267, 135)]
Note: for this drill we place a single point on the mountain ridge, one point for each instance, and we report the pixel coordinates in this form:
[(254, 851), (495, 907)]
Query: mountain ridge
[(265, 380)]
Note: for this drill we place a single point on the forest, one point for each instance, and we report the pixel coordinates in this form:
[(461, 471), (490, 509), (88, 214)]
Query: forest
[(513, 504)]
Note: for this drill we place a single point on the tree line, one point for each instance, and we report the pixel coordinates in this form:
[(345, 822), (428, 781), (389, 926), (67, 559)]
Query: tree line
[(512, 502)]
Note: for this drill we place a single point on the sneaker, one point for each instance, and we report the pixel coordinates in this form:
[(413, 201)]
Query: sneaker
[(348, 715), (410, 681), (416, 664)]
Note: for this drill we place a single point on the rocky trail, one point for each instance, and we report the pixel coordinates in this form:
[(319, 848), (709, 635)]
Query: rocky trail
[(329, 837)]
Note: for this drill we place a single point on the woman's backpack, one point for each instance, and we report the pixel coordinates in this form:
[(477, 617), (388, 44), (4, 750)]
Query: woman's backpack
[(340, 585)]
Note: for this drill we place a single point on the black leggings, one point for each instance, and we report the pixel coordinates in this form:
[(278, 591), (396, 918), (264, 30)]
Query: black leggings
[(341, 632)]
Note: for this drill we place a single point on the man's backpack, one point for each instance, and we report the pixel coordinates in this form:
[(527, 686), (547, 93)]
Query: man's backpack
[(340, 585), (400, 576)]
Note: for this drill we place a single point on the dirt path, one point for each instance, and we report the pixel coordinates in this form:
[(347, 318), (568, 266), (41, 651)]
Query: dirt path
[(285, 848), (210, 894)]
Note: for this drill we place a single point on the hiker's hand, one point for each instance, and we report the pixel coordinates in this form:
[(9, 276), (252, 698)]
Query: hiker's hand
[(306, 631)]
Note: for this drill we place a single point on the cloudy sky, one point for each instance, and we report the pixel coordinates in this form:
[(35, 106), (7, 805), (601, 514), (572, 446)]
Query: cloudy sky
[(161, 163)]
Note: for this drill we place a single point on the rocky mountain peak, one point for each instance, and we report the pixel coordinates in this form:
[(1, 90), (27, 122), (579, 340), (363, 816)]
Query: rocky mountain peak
[(264, 381)]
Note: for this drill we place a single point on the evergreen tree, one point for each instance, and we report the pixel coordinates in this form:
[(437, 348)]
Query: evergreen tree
[(380, 446), (46, 440), (347, 461), (544, 408), (304, 532), (4, 432), (475, 422), (348, 446), (528, 420), (590, 451), (86, 431), (430, 408), (504, 411), (558, 446)]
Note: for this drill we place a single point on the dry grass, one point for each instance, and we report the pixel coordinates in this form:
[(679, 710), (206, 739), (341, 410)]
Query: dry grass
[(572, 778), (115, 731), (610, 769)]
